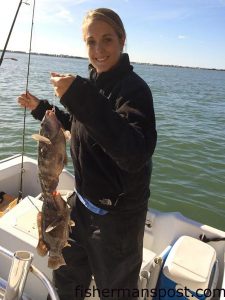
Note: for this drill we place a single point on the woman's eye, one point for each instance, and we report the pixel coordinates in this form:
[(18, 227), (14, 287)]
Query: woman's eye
[(91, 43), (107, 40)]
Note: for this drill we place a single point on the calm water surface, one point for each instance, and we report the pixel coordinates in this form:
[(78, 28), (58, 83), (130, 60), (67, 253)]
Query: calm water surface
[(189, 161)]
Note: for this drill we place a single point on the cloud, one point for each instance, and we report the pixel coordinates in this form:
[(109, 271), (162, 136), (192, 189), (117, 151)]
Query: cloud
[(67, 3), (167, 15), (57, 11), (53, 14), (80, 1), (182, 37), (64, 14)]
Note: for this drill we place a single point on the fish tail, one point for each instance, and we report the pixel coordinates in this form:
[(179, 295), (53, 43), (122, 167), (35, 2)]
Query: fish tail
[(54, 262)]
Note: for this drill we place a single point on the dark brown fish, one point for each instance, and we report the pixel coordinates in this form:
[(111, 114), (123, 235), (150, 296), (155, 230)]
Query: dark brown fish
[(51, 152), (53, 227), (54, 219)]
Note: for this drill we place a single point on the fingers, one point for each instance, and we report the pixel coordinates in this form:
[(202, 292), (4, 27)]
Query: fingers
[(55, 74), (60, 79), (23, 100), (57, 85), (28, 100), (61, 82)]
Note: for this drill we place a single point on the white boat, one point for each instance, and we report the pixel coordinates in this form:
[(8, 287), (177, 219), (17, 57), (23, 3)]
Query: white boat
[(175, 260)]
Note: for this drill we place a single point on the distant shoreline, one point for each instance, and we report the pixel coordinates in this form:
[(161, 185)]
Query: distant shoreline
[(139, 63)]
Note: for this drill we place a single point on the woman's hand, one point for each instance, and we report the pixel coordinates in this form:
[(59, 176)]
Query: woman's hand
[(61, 83), (28, 100)]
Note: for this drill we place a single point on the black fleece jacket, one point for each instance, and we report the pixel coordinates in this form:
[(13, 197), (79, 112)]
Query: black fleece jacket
[(113, 136)]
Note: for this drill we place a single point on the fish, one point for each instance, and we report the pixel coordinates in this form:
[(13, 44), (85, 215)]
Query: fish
[(54, 224), (51, 152), (53, 221)]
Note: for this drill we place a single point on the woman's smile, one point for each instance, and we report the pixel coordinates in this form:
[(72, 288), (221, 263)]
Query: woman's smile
[(103, 45)]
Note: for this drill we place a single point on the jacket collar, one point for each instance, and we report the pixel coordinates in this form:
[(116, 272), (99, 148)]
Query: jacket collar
[(118, 71)]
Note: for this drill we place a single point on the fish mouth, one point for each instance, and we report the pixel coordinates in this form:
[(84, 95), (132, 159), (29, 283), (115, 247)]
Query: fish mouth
[(50, 112)]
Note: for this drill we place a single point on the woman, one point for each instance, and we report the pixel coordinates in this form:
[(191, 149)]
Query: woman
[(113, 137)]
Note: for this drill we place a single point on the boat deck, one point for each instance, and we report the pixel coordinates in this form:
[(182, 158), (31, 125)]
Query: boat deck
[(18, 229)]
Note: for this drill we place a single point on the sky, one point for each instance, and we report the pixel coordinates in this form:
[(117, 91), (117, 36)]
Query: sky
[(171, 32)]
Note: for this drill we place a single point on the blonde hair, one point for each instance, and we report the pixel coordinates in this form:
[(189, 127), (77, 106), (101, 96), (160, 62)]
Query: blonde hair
[(106, 15)]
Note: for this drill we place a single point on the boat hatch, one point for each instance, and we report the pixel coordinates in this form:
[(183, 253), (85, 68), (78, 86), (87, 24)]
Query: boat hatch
[(24, 217), (27, 223)]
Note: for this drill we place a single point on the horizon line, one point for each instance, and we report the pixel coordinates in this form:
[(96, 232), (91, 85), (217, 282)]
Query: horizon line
[(140, 63)]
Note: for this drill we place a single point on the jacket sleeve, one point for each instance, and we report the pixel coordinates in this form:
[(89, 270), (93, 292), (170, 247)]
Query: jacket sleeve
[(63, 117), (126, 134)]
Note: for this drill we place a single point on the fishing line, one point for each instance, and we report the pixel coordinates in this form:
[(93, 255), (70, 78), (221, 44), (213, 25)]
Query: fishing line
[(25, 110), (10, 31), (33, 204), (54, 102)]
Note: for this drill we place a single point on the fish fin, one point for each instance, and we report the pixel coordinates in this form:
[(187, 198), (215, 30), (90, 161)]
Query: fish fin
[(67, 135), (71, 223), (54, 262), (53, 225), (42, 248), (41, 138)]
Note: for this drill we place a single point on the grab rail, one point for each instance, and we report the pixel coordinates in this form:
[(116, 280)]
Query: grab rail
[(41, 276)]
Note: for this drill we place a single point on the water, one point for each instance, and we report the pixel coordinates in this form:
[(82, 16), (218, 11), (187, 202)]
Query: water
[(189, 161)]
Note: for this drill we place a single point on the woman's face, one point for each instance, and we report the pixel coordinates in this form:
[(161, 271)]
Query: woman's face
[(103, 45)]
